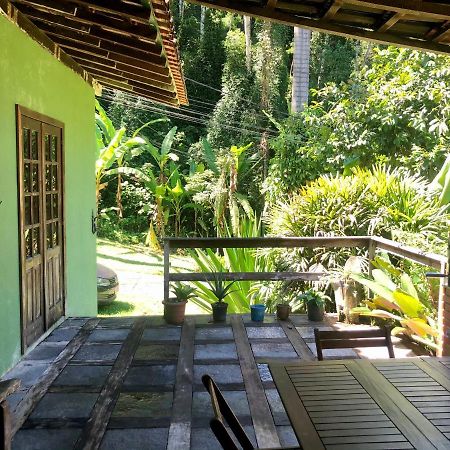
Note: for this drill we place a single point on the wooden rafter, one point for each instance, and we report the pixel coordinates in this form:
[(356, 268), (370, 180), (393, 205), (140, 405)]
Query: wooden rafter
[(122, 42), (373, 20), (332, 9), (389, 21)]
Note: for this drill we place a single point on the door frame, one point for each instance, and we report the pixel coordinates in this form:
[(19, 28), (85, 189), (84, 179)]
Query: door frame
[(24, 111)]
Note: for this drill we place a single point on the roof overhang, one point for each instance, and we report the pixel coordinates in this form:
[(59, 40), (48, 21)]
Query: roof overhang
[(123, 44), (418, 24)]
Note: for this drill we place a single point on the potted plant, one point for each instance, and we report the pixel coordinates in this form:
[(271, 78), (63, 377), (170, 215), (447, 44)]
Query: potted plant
[(175, 307), (315, 304), (220, 289), (283, 310)]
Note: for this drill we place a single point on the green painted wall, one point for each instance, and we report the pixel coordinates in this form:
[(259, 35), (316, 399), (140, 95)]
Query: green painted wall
[(32, 77)]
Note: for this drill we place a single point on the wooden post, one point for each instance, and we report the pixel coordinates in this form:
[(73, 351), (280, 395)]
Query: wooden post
[(444, 309), (166, 268), (372, 252)]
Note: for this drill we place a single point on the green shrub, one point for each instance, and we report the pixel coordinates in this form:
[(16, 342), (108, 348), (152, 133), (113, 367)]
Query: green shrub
[(377, 201)]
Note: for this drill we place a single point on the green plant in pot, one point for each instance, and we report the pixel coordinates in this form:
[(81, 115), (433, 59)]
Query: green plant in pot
[(315, 304), (220, 289), (175, 307)]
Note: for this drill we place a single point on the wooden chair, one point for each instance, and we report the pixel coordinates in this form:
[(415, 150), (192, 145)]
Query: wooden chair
[(223, 414), (380, 337), (6, 388)]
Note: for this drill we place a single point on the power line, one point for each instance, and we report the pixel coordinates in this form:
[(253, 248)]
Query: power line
[(178, 113), (242, 98), (184, 117)]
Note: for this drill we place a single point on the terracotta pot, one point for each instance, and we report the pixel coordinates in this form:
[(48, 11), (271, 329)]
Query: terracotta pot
[(174, 311), (283, 311), (219, 310)]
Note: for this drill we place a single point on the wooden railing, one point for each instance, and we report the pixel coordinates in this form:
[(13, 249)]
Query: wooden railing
[(370, 243)]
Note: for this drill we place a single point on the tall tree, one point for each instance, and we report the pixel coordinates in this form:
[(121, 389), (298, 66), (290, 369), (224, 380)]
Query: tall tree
[(248, 41), (300, 76)]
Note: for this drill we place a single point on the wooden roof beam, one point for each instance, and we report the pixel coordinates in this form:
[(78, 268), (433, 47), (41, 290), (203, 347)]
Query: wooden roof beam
[(131, 11), (101, 45), (140, 92), (389, 22), (425, 9), (439, 33), (332, 9), (112, 56), (278, 16), (129, 73), (83, 19)]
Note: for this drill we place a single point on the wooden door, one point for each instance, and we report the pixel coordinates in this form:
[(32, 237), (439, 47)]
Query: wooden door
[(41, 223)]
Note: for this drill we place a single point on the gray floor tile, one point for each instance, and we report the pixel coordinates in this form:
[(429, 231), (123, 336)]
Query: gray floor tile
[(98, 352), (287, 436), (201, 403), (265, 332), (45, 351), (150, 376), (264, 372), (113, 335), (135, 439), (204, 439), (28, 372), (221, 373), (215, 351), (63, 405), (276, 405), (162, 334), (334, 353), (273, 350), (46, 439), (63, 334), (214, 333), (83, 376)]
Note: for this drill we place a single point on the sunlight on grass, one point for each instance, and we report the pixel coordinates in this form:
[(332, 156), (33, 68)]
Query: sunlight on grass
[(140, 272)]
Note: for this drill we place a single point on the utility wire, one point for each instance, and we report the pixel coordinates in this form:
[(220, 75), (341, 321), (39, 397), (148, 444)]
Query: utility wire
[(180, 116), (178, 113), (242, 98)]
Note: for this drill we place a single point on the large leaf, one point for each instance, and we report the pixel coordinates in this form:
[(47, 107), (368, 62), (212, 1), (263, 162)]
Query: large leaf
[(410, 306), (377, 288), (407, 285), (168, 141), (210, 157), (382, 278), (386, 304), (419, 327)]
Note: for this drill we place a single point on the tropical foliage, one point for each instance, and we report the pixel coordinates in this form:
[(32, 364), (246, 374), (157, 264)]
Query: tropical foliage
[(397, 300)]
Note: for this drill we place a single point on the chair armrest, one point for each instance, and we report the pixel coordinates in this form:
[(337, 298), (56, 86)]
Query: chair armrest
[(8, 387)]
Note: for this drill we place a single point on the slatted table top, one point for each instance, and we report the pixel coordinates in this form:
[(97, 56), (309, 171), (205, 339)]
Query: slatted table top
[(367, 404)]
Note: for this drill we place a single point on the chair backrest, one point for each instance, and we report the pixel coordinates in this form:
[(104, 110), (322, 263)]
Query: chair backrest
[(379, 337), (223, 414)]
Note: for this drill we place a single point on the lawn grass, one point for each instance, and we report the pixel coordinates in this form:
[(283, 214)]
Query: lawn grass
[(140, 272)]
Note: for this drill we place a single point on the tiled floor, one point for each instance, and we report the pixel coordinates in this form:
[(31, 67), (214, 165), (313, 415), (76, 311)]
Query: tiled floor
[(136, 361)]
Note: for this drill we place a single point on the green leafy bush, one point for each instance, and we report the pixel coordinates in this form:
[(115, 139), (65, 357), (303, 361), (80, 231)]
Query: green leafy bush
[(368, 202), (397, 300)]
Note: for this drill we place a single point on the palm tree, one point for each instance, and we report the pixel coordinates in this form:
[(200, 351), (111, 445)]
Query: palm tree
[(300, 78)]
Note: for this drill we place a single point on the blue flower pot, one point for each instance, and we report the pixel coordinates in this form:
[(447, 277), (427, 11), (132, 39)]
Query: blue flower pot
[(257, 312)]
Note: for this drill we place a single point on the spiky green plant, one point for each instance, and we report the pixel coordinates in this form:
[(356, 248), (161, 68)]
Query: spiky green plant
[(182, 291)]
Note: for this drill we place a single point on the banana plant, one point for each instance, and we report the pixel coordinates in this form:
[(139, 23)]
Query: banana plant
[(114, 148), (396, 299), (157, 177)]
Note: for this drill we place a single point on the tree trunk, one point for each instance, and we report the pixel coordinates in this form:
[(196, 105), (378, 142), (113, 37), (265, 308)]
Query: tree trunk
[(300, 81), (248, 42), (119, 196), (181, 8), (202, 21)]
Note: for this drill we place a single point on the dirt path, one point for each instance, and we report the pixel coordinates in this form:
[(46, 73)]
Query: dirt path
[(140, 275)]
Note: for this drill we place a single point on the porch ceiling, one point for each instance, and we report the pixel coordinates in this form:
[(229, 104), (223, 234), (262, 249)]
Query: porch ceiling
[(419, 24), (122, 44)]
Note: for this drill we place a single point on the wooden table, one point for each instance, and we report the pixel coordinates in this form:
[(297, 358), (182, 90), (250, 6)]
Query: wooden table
[(367, 404)]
